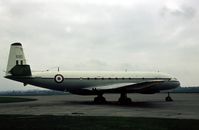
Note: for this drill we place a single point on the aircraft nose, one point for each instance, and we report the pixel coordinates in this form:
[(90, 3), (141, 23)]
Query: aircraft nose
[(177, 82), (174, 79)]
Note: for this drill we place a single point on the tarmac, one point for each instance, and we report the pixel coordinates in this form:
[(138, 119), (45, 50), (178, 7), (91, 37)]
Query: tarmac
[(184, 106)]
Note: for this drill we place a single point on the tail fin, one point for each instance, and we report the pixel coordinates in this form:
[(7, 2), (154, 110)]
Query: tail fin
[(17, 63)]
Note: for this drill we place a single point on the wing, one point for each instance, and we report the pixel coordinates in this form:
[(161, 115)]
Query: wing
[(110, 87), (129, 86)]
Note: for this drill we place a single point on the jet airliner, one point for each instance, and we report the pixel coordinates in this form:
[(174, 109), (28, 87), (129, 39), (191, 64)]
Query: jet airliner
[(89, 82)]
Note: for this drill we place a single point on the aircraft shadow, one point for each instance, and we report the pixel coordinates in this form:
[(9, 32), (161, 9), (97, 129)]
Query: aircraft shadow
[(140, 104)]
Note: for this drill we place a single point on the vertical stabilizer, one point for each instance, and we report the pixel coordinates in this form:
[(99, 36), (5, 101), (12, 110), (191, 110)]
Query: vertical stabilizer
[(16, 57)]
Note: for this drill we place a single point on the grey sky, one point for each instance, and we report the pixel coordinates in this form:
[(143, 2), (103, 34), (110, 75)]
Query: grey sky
[(142, 35)]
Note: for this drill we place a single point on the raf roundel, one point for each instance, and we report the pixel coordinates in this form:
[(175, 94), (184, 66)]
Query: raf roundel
[(59, 78)]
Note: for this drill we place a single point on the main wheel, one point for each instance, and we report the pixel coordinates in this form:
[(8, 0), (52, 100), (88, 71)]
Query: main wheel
[(124, 100), (99, 100)]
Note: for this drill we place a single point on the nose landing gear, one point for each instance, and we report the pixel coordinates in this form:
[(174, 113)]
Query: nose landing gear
[(168, 98)]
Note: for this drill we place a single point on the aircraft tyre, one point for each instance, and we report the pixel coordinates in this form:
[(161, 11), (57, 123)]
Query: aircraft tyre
[(168, 99), (124, 99), (99, 100)]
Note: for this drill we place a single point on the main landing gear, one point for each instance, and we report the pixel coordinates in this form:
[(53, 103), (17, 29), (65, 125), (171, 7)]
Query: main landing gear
[(99, 99), (124, 99), (168, 98)]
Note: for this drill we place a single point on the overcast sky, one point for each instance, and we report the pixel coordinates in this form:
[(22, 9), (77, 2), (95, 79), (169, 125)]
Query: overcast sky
[(137, 35)]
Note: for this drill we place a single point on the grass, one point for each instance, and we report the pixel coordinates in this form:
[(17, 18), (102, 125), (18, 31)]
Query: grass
[(49, 122), (14, 99)]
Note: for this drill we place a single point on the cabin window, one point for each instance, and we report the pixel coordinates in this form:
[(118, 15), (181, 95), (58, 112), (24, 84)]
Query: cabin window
[(21, 62), (109, 78), (88, 78), (122, 78), (102, 78), (116, 78), (95, 78), (129, 78)]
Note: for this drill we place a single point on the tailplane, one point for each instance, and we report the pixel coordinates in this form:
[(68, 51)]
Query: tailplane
[(17, 65)]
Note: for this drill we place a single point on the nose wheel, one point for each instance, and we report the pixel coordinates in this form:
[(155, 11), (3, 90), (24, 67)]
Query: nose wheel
[(168, 98)]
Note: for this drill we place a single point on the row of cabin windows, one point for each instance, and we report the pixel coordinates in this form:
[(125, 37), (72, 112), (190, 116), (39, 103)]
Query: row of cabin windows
[(19, 61), (109, 78), (114, 78)]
